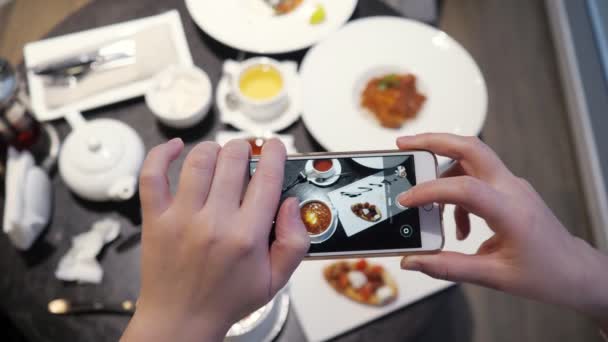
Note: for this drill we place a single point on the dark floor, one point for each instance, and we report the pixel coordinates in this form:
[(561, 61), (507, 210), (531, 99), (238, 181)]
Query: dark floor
[(527, 125)]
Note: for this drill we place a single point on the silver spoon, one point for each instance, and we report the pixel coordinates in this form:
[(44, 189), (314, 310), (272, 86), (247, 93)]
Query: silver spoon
[(62, 306)]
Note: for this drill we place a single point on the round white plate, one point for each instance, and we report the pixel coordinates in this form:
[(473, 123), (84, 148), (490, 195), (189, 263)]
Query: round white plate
[(230, 113), (251, 25), (308, 170), (335, 71)]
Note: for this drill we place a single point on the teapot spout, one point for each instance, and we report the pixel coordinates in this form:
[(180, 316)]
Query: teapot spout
[(123, 189)]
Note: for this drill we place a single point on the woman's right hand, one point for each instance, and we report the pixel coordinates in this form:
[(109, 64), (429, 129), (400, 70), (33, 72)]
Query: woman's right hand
[(531, 253)]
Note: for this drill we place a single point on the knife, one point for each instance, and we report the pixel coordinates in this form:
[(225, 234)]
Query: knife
[(81, 64)]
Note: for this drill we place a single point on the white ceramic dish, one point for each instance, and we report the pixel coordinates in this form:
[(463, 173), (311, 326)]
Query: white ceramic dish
[(335, 71), (230, 112), (189, 105), (271, 320), (266, 109), (327, 233), (251, 25), (50, 49), (100, 159)]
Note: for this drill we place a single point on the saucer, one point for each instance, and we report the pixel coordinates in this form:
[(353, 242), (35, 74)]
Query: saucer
[(230, 113), (308, 170), (330, 231)]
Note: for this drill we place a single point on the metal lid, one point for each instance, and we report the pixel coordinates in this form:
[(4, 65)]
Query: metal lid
[(8, 83)]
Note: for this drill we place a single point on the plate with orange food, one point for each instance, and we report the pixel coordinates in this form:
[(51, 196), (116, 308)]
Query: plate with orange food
[(379, 78), (270, 26), (362, 282)]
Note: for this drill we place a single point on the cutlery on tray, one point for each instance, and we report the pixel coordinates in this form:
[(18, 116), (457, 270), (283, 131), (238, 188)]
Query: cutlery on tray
[(62, 306), (112, 55)]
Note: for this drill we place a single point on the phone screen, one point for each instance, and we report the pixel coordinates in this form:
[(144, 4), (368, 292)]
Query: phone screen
[(349, 204)]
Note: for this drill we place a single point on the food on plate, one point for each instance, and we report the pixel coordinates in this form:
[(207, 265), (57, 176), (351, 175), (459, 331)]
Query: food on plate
[(261, 82), (256, 145), (317, 217), (318, 15), (284, 6), (362, 282), (366, 211), (323, 165), (393, 99)]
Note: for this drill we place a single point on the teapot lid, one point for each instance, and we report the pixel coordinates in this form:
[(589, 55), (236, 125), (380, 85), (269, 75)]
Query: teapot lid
[(97, 146), (94, 147)]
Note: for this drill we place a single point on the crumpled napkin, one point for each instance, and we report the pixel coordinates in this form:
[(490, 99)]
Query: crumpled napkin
[(80, 262)]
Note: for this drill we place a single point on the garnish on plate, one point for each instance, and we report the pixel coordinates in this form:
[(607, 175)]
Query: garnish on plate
[(318, 15), (284, 6)]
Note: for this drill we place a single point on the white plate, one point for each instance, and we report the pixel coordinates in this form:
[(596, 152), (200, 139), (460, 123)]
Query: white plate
[(52, 48), (335, 71), (251, 25), (230, 114)]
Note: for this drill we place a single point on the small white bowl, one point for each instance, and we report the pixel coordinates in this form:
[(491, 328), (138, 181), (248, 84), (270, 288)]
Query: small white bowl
[(180, 97), (331, 229)]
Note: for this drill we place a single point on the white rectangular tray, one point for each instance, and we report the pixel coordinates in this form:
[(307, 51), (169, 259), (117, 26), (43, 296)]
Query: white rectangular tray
[(50, 49)]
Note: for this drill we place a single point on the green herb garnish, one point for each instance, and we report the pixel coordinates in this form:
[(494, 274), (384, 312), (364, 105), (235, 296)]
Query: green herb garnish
[(388, 81)]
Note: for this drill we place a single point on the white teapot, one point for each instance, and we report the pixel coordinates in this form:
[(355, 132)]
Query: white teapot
[(100, 159)]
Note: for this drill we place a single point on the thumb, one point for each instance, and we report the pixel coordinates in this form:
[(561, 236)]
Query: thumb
[(290, 245), (451, 266)]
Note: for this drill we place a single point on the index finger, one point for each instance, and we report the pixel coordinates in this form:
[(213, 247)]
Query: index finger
[(154, 190), (264, 191), (476, 157)]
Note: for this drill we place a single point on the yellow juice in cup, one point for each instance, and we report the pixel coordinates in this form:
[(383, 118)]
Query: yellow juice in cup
[(261, 82)]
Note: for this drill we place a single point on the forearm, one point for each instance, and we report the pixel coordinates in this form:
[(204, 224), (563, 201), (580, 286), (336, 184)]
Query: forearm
[(594, 287), (162, 328)]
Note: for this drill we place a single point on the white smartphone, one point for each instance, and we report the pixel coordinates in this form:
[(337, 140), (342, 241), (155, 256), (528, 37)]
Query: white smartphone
[(348, 202)]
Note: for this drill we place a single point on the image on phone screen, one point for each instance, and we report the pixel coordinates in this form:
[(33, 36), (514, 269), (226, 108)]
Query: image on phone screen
[(349, 204)]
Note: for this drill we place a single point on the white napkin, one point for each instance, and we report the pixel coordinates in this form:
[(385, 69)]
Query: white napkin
[(80, 262), (27, 209)]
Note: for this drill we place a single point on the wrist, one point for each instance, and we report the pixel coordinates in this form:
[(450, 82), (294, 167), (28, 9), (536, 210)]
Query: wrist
[(163, 327), (592, 285)]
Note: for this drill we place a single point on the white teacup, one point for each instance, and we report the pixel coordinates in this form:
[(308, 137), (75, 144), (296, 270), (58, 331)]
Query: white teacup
[(323, 168), (259, 86)]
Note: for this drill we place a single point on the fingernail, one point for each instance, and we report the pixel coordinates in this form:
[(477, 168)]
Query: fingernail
[(403, 198), (293, 206), (411, 263), (174, 141)]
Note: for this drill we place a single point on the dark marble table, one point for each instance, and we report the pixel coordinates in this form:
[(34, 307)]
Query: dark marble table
[(28, 283)]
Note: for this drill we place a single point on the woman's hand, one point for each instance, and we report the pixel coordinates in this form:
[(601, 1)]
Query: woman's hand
[(206, 259), (531, 253)]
